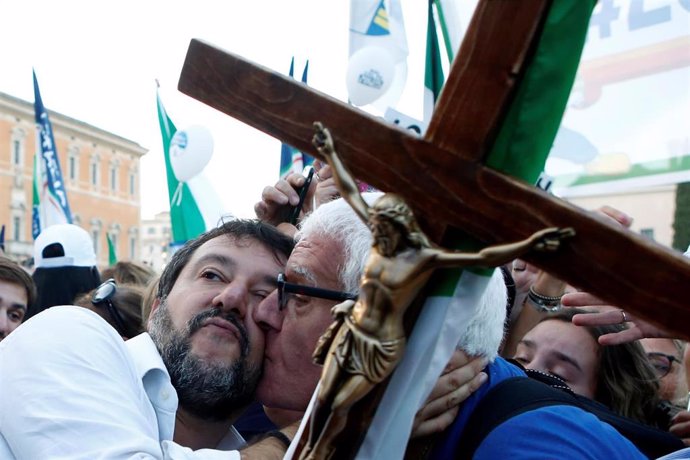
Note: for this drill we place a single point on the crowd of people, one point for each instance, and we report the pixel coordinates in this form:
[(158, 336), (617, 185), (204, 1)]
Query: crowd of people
[(213, 358)]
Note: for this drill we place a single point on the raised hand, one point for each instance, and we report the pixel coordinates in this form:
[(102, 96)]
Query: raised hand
[(680, 426), (606, 314), (461, 377), (277, 200), (322, 140)]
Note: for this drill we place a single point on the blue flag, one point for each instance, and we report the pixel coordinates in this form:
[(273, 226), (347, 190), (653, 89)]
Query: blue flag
[(54, 201), (291, 159), (2, 238), (36, 197)]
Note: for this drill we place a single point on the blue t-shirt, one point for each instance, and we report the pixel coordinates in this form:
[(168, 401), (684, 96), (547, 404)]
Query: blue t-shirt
[(547, 432)]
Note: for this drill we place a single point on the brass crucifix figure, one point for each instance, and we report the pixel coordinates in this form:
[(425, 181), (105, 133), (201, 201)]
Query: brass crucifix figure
[(367, 341)]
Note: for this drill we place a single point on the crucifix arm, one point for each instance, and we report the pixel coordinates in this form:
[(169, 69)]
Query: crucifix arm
[(323, 141), (547, 240)]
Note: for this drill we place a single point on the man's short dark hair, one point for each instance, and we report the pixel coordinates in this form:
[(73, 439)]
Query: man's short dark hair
[(12, 272), (239, 229)]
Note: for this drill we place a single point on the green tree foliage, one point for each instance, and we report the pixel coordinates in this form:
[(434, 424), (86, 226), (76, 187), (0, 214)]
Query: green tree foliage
[(681, 220)]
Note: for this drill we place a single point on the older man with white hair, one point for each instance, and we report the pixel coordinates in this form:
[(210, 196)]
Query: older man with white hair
[(330, 253)]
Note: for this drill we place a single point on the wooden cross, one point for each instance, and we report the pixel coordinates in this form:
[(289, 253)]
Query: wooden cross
[(442, 175)]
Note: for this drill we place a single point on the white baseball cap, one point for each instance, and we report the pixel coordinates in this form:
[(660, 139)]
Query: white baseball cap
[(64, 245)]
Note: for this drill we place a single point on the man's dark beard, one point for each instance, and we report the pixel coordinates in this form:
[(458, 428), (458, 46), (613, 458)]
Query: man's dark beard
[(209, 391)]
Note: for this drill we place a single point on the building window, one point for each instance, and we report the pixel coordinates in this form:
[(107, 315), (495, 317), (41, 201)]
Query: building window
[(73, 163), (17, 228), (647, 233), (17, 146), (72, 168), (94, 173), (94, 170), (113, 178), (95, 235), (16, 152), (132, 247), (132, 184)]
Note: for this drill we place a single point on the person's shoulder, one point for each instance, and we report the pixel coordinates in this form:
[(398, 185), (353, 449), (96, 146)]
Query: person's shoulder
[(500, 369), (566, 431), (62, 329), (63, 313), (66, 320)]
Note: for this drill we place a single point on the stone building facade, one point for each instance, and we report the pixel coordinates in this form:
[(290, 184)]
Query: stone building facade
[(101, 171)]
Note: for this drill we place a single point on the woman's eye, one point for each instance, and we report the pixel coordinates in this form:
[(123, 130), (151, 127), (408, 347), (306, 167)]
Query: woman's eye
[(557, 376)]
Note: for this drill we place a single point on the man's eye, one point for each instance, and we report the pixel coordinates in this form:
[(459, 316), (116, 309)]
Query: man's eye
[(300, 300), (16, 317), (261, 294), (210, 275)]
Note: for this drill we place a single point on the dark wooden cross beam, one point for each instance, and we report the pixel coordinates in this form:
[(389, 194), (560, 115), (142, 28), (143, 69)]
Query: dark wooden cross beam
[(442, 176)]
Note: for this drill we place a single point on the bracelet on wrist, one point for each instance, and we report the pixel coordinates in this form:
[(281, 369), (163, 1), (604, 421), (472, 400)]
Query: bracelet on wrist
[(543, 303)]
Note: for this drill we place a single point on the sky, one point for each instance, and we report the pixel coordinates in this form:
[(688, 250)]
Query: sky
[(98, 61)]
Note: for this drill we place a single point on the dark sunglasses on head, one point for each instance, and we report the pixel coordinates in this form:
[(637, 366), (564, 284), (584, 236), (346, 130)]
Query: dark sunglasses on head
[(662, 362), (103, 295), (285, 288)]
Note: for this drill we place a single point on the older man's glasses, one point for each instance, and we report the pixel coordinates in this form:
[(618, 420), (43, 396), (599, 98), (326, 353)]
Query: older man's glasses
[(103, 296), (662, 363), (285, 289)]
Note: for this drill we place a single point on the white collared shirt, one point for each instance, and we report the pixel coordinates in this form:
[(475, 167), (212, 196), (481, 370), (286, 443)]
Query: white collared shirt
[(71, 388)]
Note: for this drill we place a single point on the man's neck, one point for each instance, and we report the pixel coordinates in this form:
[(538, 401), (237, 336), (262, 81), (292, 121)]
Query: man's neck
[(195, 433)]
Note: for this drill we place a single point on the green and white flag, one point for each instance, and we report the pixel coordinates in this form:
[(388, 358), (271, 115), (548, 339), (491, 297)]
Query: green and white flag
[(112, 252), (452, 23), (192, 199), (520, 150), (433, 69)]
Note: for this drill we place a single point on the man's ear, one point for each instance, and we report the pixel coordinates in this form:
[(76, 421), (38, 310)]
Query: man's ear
[(154, 306)]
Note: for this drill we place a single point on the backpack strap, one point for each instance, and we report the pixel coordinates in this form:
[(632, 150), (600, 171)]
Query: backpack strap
[(501, 404)]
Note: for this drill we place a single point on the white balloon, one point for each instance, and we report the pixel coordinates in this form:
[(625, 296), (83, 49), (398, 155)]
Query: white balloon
[(190, 151), (390, 98), (370, 73)]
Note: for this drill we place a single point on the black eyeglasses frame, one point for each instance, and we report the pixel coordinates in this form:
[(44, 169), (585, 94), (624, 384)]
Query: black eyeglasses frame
[(285, 287)]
